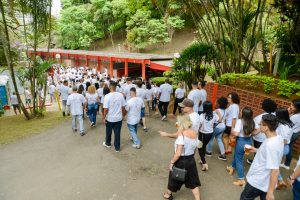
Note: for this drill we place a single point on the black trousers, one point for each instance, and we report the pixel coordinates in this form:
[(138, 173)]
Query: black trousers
[(250, 193), (177, 101), (163, 108), (204, 138)]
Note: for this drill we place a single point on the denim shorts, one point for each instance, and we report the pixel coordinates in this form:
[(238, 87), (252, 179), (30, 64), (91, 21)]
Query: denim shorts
[(143, 112)]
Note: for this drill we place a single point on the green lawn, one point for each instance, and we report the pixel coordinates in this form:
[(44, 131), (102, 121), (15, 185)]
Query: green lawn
[(13, 128)]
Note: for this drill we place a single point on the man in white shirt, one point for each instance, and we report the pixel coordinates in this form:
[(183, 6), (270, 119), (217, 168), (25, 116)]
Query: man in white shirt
[(114, 110), (27, 98), (75, 101), (195, 96), (15, 103), (165, 91), (203, 96), (263, 173), (127, 88), (134, 107), (187, 108), (51, 91), (64, 93), (141, 92)]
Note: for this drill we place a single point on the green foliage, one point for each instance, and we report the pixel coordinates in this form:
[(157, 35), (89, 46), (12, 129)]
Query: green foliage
[(142, 30), (161, 80), (193, 62), (284, 88)]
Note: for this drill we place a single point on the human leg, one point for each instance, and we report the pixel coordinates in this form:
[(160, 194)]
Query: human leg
[(289, 157), (74, 125), (108, 133), (239, 156), (296, 190), (196, 193), (205, 138), (166, 105), (81, 126), (175, 106), (133, 133), (117, 131), (160, 108), (250, 193)]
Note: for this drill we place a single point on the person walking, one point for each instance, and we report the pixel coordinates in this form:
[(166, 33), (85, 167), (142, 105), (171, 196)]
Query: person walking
[(244, 128), (165, 91), (141, 92), (92, 103), (195, 96), (294, 111), (134, 107), (285, 130), (187, 107), (207, 121), (51, 91), (28, 97), (203, 95), (75, 101), (155, 97), (149, 97), (294, 181), (185, 146), (114, 110), (15, 103), (269, 107), (231, 117), (179, 96), (127, 87), (219, 129), (263, 173), (64, 93)]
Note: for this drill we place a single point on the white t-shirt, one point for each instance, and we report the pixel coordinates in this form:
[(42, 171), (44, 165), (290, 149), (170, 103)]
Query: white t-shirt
[(27, 94), (64, 92), (127, 90), (202, 99), (149, 94), (14, 100), (91, 98), (114, 101), (100, 92), (75, 102), (52, 89), (134, 107), (285, 132), (207, 126), (296, 120), (267, 157), (179, 93), (239, 128), (232, 113), (189, 145), (195, 118), (195, 96), (141, 92), (222, 112), (165, 92)]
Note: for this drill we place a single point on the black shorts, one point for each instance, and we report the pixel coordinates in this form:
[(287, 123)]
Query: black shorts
[(227, 130), (16, 106), (192, 178)]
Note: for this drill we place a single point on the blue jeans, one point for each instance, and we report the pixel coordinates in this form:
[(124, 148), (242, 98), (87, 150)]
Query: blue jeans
[(133, 133), (80, 121), (285, 152), (218, 135), (92, 112), (289, 156), (238, 159), (116, 126), (296, 190)]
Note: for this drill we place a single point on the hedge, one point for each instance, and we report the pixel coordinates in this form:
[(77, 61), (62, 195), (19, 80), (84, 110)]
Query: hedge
[(269, 84)]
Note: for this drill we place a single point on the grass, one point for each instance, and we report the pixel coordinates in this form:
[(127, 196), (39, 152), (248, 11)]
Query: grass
[(13, 128)]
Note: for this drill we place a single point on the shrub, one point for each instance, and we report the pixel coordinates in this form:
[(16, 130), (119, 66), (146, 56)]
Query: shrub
[(161, 80), (269, 84)]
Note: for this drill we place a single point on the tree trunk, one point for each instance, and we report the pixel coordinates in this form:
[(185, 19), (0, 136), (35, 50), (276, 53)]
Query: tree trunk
[(7, 52)]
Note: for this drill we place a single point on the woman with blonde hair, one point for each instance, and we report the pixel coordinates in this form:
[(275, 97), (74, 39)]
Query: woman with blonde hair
[(92, 100), (185, 146)]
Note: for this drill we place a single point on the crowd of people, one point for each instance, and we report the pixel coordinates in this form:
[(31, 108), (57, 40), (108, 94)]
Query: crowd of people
[(269, 136)]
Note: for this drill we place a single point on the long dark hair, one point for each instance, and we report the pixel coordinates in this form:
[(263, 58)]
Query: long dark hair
[(208, 110), (296, 104), (80, 89), (283, 117), (248, 122)]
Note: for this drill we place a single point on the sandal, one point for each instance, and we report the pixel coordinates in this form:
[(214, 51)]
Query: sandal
[(168, 196)]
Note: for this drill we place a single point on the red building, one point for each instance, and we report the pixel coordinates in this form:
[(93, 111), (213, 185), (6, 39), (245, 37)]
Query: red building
[(117, 64)]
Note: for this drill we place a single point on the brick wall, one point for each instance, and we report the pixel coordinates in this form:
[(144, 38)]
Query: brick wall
[(250, 99)]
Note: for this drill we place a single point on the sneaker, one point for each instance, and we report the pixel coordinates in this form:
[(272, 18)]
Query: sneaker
[(117, 151), (131, 138), (82, 133), (92, 124), (164, 118), (222, 157), (249, 161), (105, 145), (145, 129), (137, 146), (209, 154), (284, 166)]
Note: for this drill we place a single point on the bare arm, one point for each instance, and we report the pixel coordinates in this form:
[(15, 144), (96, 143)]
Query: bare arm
[(295, 175), (170, 135), (176, 156), (272, 185), (219, 115)]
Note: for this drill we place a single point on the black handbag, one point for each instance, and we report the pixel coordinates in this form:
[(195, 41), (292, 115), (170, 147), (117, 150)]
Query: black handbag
[(178, 173)]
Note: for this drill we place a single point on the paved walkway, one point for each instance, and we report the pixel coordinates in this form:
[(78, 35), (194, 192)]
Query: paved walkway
[(61, 165)]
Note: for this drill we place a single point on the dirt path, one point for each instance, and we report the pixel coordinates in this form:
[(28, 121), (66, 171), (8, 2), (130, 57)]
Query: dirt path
[(61, 165)]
